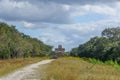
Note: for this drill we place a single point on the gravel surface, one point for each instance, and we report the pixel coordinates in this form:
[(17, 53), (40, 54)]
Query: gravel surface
[(26, 71)]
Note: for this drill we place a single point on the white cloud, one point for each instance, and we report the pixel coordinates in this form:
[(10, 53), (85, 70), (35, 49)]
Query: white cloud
[(84, 28), (51, 12), (66, 7), (28, 25), (56, 38), (76, 36), (79, 10), (53, 37), (26, 11)]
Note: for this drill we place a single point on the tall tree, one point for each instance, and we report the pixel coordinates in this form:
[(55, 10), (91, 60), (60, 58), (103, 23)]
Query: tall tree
[(14, 44), (112, 33), (106, 47)]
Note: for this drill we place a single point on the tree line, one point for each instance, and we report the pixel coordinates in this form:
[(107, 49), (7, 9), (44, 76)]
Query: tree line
[(14, 44), (106, 47)]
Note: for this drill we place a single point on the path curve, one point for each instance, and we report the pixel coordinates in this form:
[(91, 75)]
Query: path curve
[(19, 74)]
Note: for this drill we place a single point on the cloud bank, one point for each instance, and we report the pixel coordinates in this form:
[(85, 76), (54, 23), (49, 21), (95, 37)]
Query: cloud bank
[(67, 22)]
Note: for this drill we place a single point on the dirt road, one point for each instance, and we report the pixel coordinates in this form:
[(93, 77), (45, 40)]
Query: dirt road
[(26, 71)]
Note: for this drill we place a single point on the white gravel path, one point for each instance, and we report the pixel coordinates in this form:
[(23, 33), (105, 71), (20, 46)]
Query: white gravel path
[(28, 70)]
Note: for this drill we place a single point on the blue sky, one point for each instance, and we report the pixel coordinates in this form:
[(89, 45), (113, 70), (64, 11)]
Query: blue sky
[(66, 22)]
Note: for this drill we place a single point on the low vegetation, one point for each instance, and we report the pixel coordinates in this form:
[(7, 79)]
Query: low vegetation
[(7, 66), (79, 69)]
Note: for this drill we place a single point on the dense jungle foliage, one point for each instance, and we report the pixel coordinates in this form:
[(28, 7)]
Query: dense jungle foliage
[(106, 47), (14, 44)]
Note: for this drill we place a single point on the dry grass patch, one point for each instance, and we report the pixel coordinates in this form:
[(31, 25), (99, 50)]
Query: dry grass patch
[(78, 69), (7, 66)]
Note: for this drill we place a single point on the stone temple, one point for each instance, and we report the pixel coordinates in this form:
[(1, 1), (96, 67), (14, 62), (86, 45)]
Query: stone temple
[(59, 51)]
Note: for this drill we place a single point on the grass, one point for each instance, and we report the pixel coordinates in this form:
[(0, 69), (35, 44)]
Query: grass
[(7, 66), (110, 62), (70, 68)]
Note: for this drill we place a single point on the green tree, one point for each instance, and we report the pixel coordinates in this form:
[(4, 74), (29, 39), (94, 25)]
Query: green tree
[(106, 47), (74, 52), (14, 44), (112, 33)]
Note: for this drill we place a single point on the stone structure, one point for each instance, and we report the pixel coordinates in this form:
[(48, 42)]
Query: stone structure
[(59, 51)]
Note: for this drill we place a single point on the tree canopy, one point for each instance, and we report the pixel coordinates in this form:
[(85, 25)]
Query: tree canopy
[(112, 33), (106, 47), (15, 44)]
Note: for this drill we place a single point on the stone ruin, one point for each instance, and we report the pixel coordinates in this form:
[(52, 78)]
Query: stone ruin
[(59, 51)]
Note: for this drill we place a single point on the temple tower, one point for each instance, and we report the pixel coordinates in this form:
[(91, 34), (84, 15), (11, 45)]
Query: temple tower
[(59, 51)]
